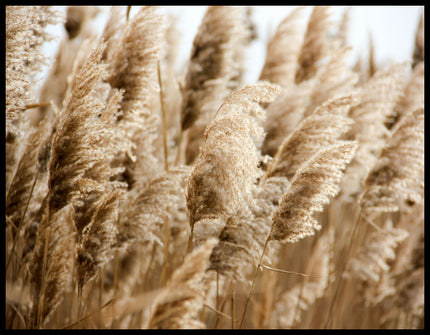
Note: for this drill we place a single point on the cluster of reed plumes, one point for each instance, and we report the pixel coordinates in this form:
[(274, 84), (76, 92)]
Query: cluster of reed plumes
[(140, 197)]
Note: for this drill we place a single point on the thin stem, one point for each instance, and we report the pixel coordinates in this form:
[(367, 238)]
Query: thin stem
[(79, 304), (166, 168), (128, 12), (166, 251), (10, 222), (163, 117), (115, 284), (217, 289), (254, 277), (43, 284), (232, 310), (217, 311), (88, 315), (229, 288), (287, 272), (145, 280), (190, 240), (37, 105), (298, 303), (102, 281), (343, 266)]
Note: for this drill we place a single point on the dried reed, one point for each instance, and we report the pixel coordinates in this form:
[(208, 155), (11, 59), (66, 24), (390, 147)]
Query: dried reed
[(140, 195)]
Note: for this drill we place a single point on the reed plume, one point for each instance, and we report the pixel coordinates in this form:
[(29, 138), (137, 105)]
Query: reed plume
[(25, 34), (21, 186), (77, 26), (403, 285), (379, 97), (399, 171), (227, 166), (146, 193), (322, 128), (144, 218), (283, 50), (305, 195), (371, 260), (214, 71), (83, 148), (133, 68), (413, 94), (285, 113), (315, 45), (52, 264)]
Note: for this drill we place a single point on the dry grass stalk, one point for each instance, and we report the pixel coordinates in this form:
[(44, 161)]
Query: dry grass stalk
[(178, 305), (372, 66), (98, 235), (290, 306)]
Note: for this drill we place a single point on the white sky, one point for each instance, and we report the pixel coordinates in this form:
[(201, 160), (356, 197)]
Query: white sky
[(392, 28)]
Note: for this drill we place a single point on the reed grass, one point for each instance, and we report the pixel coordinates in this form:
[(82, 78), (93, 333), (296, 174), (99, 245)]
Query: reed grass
[(140, 195)]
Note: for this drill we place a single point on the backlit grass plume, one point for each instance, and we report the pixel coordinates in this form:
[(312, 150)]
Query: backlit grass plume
[(214, 70)]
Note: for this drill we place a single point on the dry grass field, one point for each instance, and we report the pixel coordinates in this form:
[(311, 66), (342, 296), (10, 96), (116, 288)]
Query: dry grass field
[(140, 196)]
